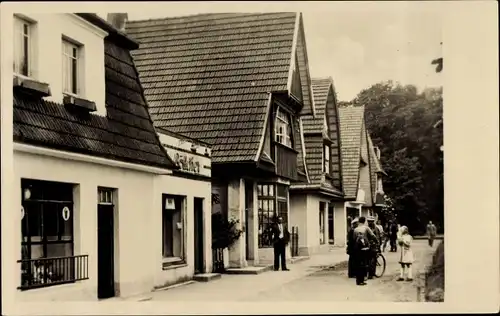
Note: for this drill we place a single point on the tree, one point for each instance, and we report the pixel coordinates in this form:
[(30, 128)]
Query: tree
[(401, 121)]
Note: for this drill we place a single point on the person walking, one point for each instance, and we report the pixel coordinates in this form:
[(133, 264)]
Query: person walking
[(382, 234), (406, 258), (361, 246), (351, 269), (281, 237), (431, 233)]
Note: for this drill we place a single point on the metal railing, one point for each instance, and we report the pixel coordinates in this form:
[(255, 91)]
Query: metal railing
[(44, 272)]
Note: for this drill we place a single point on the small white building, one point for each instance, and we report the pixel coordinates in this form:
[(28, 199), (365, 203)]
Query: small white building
[(107, 206)]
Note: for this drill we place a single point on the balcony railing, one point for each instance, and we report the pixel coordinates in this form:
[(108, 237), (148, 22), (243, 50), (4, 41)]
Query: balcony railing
[(286, 162), (44, 272)]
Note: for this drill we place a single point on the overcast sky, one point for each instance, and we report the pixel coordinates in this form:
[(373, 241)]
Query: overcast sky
[(356, 43)]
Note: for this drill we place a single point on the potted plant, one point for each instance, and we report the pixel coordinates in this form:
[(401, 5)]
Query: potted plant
[(225, 233)]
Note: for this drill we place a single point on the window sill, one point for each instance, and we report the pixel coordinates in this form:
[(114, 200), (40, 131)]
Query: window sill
[(31, 86), (78, 102), (173, 263), (328, 176)]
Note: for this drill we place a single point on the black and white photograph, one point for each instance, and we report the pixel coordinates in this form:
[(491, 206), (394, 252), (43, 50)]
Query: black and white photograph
[(252, 153)]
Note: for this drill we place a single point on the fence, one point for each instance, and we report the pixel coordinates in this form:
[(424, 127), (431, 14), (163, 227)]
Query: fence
[(44, 272), (218, 260), (294, 241)]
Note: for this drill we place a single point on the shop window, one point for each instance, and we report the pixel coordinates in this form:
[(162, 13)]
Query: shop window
[(273, 202), (47, 242), (173, 227)]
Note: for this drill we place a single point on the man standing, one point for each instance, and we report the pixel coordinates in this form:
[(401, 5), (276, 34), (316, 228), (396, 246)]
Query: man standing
[(394, 236), (431, 233), (374, 247), (281, 236), (382, 235), (362, 236), (351, 269)]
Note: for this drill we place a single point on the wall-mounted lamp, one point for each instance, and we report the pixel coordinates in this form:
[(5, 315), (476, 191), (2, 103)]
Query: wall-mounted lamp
[(193, 147), (207, 153)]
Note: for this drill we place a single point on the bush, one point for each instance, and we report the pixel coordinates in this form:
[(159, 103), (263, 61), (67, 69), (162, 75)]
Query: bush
[(224, 231)]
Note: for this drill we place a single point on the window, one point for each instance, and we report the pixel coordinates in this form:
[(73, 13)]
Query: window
[(322, 206), (71, 68), (273, 201), (325, 125), (173, 229), (326, 159), (22, 47), (47, 235), (283, 130)]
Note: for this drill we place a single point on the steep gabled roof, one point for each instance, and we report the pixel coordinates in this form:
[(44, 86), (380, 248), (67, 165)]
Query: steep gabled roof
[(351, 122), (125, 134), (321, 87), (209, 76)]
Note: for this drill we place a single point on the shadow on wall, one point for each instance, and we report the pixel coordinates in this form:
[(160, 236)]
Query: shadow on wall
[(434, 281)]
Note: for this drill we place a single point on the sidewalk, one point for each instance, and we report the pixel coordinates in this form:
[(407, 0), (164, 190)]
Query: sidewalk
[(240, 287)]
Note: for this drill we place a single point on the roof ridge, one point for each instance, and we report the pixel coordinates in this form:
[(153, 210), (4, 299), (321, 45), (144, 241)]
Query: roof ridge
[(208, 14)]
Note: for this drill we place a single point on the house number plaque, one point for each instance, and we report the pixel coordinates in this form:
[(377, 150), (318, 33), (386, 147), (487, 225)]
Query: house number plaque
[(65, 213)]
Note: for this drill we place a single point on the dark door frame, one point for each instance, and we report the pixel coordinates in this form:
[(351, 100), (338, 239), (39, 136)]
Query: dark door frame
[(105, 251), (199, 240)]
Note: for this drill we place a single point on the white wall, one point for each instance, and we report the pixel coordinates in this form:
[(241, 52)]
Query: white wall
[(48, 31), (135, 200), (190, 189)]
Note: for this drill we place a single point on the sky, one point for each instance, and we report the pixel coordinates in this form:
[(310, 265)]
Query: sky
[(356, 43)]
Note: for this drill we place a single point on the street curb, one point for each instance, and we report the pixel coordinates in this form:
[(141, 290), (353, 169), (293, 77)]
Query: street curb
[(174, 286)]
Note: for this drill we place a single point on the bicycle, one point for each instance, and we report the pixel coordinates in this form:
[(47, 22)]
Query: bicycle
[(380, 265)]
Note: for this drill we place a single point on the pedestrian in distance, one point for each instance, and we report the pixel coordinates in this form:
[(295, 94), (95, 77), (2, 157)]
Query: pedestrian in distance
[(382, 234), (431, 233), (351, 269), (361, 247), (374, 246), (406, 258), (394, 237), (281, 237), (387, 234)]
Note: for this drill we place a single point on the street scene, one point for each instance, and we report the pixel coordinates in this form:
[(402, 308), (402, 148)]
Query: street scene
[(244, 155), (321, 278)]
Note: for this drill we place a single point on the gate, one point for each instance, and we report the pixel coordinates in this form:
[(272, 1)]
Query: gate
[(294, 241), (218, 260)]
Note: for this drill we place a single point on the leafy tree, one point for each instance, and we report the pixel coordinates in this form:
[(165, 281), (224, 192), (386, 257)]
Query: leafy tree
[(402, 121)]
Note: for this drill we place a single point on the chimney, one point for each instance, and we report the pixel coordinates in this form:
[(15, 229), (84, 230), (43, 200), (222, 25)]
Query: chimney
[(118, 20)]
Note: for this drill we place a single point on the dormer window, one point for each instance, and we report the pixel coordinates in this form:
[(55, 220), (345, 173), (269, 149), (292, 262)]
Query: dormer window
[(326, 159), (71, 59), (283, 129), (22, 47), (325, 125)]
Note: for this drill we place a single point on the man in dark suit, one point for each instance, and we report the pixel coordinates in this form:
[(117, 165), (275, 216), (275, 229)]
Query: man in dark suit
[(281, 237)]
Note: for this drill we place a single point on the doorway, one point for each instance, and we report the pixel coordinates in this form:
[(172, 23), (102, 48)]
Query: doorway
[(198, 236), (105, 245), (331, 222)]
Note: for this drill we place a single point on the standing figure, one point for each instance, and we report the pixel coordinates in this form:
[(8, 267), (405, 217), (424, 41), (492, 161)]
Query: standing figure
[(351, 269), (281, 237), (387, 234), (431, 233), (394, 237), (382, 234), (374, 247), (406, 258), (361, 248)]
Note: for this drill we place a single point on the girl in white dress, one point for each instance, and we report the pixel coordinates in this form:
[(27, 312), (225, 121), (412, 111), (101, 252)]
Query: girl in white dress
[(406, 259)]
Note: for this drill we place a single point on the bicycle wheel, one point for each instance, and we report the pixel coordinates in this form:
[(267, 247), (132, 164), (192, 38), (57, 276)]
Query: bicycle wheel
[(380, 265)]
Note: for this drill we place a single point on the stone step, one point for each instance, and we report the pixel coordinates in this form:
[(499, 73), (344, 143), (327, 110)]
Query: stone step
[(206, 277), (249, 270)]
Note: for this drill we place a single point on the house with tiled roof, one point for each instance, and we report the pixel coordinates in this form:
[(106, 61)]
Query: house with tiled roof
[(316, 204), (239, 82), (92, 176), (361, 170)]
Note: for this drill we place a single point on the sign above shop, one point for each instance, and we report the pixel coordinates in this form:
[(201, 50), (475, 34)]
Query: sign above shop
[(187, 162)]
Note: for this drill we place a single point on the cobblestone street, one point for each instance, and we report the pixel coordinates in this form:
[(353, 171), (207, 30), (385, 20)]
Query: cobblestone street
[(309, 280), (333, 284)]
